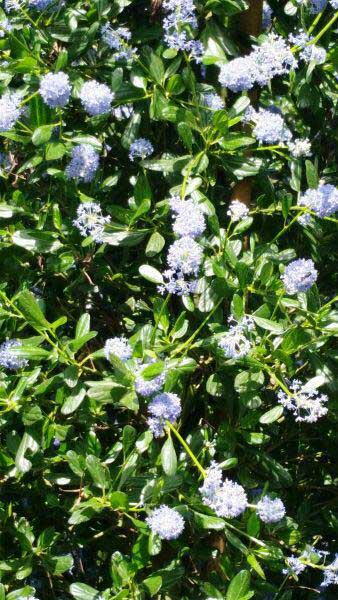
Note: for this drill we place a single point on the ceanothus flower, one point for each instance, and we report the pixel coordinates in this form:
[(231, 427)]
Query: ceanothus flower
[(309, 52), (117, 39), (300, 147), (299, 276), (237, 211), (177, 284), (96, 98), (189, 219), (334, 4), (185, 255), (267, 16), (90, 220), (84, 163), (166, 522), (10, 110), (140, 148), (12, 5), (234, 342), (305, 403), (122, 112), (270, 510), (148, 387), (163, 407), (331, 571), (5, 27), (322, 200), (238, 74), (227, 498), (294, 566), (55, 89), (273, 57), (118, 346), (179, 14), (8, 359), (213, 101), (269, 126), (39, 4)]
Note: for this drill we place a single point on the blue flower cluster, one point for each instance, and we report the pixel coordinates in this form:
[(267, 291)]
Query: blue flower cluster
[(299, 276), (96, 98), (10, 110), (181, 13), (90, 220), (84, 163), (163, 407), (55, 89), (166, 522), (8, 359)]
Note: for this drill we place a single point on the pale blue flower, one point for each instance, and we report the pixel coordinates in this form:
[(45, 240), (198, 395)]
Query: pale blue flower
[(227, 498), (238, 74), (299, 276), (267, 16), (90, 220), (322, 200), (10, 110), (331, 571), (306, 403), (270, 510), (84, 163), (148, 387), (166, 522), (269, 126), (189, 219), (185, 255), (8, 359), (118, 346), (117, 39), (96, 98), (55, 89), (140, 148), (164, 407), (237, 211)]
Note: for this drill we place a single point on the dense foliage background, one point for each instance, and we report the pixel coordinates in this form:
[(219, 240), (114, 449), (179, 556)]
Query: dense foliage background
[(81, 470)]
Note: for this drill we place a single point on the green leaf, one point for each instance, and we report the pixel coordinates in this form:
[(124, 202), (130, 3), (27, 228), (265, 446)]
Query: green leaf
[(119, 501), (239, 586), (42, 134), (153, 370), (151, 274), (271, 415), (152, 584), (82, 326), (36, 241), (99, 474), (269, 325), (208, 522), (311, 174), (82, 591), (74, 400), (155, 244), (31, 310), (168, 457)]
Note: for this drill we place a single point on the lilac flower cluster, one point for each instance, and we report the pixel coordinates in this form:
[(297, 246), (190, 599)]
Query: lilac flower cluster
[(309, 52), (237, 211), (55, 89), (117, 39), (331, 571), (300, 147), (166, 522), (140, 148), (305, 403), (84, 163), (125, 111), (269, 126), (185, 254), (270, 510), (266, 16), (96, 98), (315, 6), (297, 564), (323, 201), (5, 27), (273, 57), (10, 110), (213, 101), (179, 14), (118, 346), (8, 359), (163, 407), (148, 387), (227, 498), (90, 220), (40, 4), (299, 276), (235, 343)]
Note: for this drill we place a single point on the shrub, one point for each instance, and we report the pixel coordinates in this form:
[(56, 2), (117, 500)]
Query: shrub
[(168, 321)]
